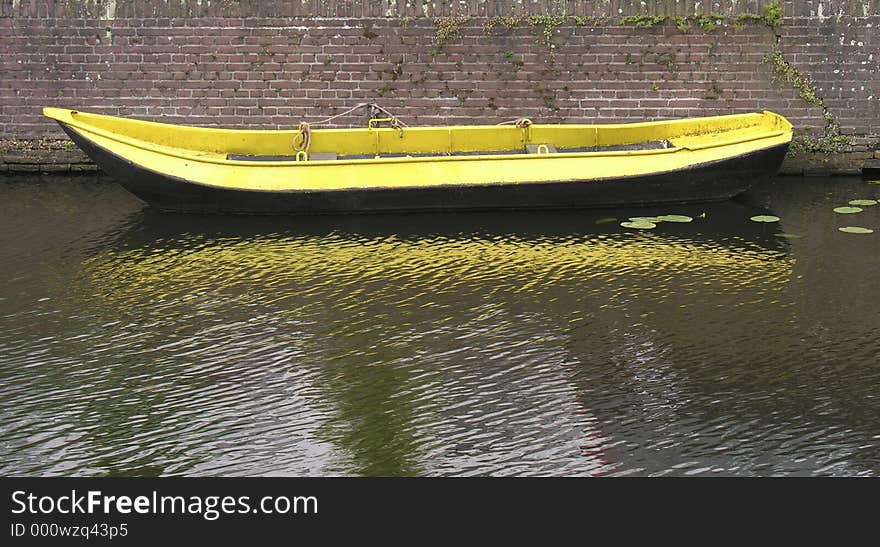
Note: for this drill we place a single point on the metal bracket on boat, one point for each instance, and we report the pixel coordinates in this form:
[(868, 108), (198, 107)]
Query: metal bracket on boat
[(525, 124), (302, 155), (373, 121), (542, 149), (392, 121)]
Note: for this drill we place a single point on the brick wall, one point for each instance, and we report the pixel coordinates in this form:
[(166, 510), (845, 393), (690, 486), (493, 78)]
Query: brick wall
[(274, 63)]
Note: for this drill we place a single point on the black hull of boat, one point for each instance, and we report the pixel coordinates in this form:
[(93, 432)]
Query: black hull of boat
[(713, 181)]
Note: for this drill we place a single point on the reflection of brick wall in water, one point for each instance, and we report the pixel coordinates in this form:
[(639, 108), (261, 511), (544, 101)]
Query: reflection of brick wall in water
[(274, 63)]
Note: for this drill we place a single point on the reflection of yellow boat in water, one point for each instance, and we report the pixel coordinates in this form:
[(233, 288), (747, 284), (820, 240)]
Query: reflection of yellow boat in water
[(259, 260), (193, 169), (456, 342)]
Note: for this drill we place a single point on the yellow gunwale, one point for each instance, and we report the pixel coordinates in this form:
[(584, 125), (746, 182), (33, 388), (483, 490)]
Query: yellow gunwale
[(67, 117)]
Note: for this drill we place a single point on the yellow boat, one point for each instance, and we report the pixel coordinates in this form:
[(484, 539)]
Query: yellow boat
[(398, 168)]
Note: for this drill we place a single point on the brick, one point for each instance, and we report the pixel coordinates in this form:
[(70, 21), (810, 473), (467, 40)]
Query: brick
[(235, 67)]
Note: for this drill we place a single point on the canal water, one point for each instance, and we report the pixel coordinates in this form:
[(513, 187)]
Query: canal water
[(518, 343)]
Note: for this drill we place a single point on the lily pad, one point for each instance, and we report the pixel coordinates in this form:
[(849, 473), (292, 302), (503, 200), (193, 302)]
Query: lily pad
[(606, 220), (873, 181), (863, 202), (639, 225), (764, 218), (789, 236), (847, 210), (652, 220), (856, 230), (675, 218)]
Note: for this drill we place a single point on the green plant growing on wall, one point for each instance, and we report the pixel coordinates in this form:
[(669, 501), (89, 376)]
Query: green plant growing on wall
[(833, 140), (367, 32), (772, 17), (667, 59), (500, 21), (384, 90), (740, 20), (644, 21), (42, 143), (782, 69), (448, 29), (511, 56), (772, 14), (549, 22), (588, 20), (707, 23), (681, 23)]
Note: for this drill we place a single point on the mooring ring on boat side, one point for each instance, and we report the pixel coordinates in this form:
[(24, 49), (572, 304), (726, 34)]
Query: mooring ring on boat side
[(303, 139)]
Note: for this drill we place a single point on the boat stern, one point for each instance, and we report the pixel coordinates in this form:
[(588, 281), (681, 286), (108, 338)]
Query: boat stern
[(778, 122)]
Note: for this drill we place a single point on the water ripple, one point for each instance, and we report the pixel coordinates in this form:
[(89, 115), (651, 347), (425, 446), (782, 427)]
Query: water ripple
[(137, 343)]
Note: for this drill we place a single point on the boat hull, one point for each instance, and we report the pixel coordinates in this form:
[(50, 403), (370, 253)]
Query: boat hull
[(712, 181)]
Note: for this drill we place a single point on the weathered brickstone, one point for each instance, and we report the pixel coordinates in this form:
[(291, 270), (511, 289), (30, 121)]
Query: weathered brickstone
[(272, 64)]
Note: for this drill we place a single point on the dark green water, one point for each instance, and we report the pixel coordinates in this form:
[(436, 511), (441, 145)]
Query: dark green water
[(137, 343)]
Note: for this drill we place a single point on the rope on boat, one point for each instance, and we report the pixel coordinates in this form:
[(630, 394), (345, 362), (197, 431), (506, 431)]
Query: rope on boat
[(519, 122), (374, 108), (303, 139)]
